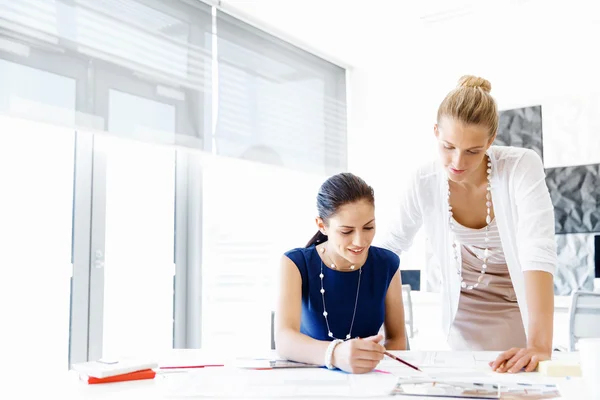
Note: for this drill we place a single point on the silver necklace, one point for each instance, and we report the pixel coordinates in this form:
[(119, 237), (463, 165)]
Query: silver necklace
[(488, 219), (325, 313)]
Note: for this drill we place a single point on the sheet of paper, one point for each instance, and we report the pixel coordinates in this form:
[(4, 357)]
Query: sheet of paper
[(415, 358), (456, 366), (455, 359), (277, 383), (485, 356)]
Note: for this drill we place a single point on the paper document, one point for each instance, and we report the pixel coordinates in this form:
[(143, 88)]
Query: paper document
[(456, 359), (231, 382), (474, 390), (440, 359)]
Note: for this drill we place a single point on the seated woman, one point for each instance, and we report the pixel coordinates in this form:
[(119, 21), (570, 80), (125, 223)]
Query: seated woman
[(335, 294)]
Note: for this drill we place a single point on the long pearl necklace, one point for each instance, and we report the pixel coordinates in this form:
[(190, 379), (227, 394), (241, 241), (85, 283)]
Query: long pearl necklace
[(488, 218), (325, 313)]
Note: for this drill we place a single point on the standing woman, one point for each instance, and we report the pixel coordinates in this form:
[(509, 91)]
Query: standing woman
[(488, 215)]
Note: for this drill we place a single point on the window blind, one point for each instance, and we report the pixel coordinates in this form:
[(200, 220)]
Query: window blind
[(277, 103), (166, 44)]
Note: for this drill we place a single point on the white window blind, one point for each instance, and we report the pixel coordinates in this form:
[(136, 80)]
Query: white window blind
[(277, 103), (166, 43), (149, 36)]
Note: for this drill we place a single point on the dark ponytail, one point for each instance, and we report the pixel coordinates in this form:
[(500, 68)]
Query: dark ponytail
[(336, 192), (317, 239)]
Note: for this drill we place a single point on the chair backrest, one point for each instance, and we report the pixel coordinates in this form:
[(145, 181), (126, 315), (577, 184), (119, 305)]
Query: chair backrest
[(584, 317), (272, 330), (408, 310)]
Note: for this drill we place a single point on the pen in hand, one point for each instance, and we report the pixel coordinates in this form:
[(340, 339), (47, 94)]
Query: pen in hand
[(387, 353), (390, 355)]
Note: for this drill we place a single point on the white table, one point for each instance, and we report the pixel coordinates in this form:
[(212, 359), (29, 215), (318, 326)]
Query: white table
[(67, 385)]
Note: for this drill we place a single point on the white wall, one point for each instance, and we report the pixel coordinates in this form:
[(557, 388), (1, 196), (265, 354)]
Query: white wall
[(538, 52)]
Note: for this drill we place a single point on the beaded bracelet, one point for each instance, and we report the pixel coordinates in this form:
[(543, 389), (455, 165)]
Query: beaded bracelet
[(329, 353)]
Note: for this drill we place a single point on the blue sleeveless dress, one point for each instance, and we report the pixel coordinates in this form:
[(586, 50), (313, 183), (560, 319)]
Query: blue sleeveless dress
[(340, 294)]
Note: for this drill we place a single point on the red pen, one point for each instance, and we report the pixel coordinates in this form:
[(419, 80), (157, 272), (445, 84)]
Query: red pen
[(387, 353), (192, 366)]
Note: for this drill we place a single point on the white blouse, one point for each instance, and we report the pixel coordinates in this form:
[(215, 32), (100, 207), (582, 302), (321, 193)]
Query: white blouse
[(523, 212)]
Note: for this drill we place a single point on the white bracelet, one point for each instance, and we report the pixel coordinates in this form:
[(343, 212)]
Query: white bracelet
[(329, 353)]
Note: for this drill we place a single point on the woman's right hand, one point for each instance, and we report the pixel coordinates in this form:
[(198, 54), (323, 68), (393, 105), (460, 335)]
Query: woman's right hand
[(358, 356)]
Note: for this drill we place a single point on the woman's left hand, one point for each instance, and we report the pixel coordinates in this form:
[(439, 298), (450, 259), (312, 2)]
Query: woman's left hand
[(515, 359)]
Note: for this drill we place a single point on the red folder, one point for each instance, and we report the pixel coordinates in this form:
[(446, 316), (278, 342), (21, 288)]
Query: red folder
[(131, 376)]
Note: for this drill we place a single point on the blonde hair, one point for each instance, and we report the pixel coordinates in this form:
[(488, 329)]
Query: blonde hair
[(471, 103)]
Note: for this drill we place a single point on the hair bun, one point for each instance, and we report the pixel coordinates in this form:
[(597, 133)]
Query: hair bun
[(475, 82)]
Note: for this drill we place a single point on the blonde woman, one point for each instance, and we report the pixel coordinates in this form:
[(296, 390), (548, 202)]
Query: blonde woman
[(488, 215)]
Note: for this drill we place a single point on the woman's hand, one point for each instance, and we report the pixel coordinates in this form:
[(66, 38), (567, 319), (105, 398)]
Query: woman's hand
[(358, 356), (515, 359)]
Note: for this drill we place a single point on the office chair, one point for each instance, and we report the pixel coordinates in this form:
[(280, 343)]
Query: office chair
[(584, 317)]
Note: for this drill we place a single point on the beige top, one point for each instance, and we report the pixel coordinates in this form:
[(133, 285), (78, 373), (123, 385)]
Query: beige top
[(488, 317)]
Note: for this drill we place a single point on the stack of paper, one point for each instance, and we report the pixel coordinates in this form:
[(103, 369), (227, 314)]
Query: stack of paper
[(103, 371)]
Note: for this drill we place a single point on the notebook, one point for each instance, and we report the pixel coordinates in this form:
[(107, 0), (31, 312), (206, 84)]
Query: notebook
[(104, 369)]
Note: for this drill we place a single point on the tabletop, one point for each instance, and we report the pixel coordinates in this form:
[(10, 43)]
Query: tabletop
[(233, 382)]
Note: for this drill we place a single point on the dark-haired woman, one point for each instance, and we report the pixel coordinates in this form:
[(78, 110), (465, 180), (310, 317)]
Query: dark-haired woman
[(337, 292)]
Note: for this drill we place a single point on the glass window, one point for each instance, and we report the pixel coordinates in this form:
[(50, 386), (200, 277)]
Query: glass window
[(36, 208), (139, 236), (252, 214)]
